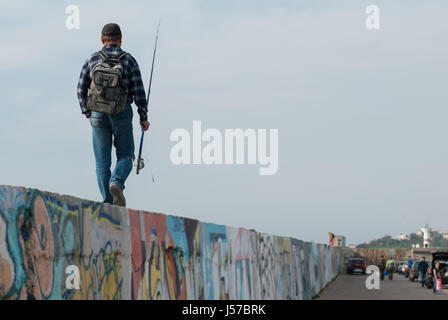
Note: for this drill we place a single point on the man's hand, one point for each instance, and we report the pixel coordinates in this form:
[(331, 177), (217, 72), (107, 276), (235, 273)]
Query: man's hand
[(144, 125)]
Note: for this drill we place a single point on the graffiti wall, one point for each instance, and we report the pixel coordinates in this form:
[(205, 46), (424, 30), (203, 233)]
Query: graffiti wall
[(121, 253)]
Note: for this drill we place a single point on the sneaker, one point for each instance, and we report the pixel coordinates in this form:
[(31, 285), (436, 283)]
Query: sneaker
[(117, 193)]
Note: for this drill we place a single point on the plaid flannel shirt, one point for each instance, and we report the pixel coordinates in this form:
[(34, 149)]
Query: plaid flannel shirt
[(132, 80)]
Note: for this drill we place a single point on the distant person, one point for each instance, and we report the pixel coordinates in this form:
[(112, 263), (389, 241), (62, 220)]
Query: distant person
[(390, 265), (331, 242), (436, 277), (382, 267), (422, 270), (410, 263), (106, 102)]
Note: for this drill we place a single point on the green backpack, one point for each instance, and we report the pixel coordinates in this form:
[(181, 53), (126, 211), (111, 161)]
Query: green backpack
[(106, 93)]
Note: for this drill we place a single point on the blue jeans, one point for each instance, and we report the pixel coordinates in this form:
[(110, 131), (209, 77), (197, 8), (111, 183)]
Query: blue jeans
[(423, 275), (116, 128)]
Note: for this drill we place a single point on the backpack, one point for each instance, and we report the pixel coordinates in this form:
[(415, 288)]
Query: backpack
[(106, 93), (391, 264)]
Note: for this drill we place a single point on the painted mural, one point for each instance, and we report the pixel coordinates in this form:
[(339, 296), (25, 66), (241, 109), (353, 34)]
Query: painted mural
[(127, 254)]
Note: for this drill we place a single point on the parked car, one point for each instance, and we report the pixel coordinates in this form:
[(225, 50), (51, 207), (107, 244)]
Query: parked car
[(408, 266), (442, 257), (413, 273), (356, 265)]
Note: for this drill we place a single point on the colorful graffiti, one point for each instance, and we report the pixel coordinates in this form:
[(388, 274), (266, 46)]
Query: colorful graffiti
[(41, 234), (129, 254)]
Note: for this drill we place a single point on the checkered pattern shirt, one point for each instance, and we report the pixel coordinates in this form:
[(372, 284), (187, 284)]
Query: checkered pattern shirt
[(132, 80)]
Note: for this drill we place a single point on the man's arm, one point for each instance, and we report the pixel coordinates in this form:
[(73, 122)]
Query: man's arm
[(83, 85), (139, 93)]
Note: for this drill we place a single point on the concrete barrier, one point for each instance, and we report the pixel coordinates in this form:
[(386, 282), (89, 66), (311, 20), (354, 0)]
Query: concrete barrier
[(126, 254)]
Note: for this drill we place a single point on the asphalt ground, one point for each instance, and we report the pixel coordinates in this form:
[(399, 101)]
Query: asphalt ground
[(353, 287)]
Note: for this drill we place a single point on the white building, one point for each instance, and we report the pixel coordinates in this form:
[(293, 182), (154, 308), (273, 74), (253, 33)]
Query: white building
[(339, 241), (426, 236), (404, 236)]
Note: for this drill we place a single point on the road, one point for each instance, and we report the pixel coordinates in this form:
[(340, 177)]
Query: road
[(352, 287)]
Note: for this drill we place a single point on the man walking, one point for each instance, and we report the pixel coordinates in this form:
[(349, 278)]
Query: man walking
[(382, 267), (422, 269), (390, 265), (106, 102)]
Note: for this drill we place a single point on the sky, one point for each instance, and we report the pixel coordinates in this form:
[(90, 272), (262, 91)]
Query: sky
[(361, 114)]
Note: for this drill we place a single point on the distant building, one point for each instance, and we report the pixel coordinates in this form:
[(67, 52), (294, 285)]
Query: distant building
[(339, 241), (426, 236), (443, 233), (421, 252), (404, 236)]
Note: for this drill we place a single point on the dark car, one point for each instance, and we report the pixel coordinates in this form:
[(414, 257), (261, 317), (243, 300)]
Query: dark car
[(356, 265), (442, 257), (413, 273)]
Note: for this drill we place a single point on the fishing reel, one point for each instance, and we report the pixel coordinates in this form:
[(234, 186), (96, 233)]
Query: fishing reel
[(140, 165)]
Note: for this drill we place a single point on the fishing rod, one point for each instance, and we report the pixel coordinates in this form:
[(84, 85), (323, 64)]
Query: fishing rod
[(140, 163)]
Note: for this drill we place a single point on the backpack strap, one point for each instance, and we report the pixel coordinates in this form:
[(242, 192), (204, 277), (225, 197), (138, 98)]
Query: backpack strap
[(121, 55), (103, 55)]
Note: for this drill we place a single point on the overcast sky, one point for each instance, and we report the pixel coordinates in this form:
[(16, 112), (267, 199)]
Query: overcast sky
[(362, 115)]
